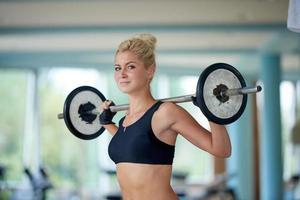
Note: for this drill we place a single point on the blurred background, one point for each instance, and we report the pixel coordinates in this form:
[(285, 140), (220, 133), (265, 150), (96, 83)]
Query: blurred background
[(50, 47)]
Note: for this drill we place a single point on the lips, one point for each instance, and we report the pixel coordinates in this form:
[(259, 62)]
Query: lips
[(124, 82)]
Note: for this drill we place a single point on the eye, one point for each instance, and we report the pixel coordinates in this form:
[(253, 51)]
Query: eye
[(130, 67), (117, 68)]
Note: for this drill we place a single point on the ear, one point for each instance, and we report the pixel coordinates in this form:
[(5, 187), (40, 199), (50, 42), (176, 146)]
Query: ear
[(151, 71)]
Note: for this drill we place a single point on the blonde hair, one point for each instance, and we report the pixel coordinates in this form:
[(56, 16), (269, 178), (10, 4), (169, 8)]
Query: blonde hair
[(143, 45)]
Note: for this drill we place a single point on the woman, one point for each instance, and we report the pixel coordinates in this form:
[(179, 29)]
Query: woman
[(143, 145)]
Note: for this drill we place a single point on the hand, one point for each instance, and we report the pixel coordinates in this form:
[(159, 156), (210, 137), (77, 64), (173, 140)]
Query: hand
[(106, 116)]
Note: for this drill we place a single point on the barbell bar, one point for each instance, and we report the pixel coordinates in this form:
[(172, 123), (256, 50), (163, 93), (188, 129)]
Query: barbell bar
[(221, 94), (177, 99)]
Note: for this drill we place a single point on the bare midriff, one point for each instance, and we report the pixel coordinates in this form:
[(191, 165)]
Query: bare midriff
[(145, 181)]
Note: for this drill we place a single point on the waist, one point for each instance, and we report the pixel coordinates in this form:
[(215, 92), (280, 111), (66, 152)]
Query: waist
[(143, 177)]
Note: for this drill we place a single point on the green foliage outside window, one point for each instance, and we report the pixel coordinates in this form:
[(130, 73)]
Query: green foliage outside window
[(12, 118)]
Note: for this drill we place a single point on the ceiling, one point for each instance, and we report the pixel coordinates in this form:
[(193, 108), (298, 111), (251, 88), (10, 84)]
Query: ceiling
[(192, 34)]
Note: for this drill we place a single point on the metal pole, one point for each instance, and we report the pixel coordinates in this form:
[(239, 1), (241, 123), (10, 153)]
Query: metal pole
[(179, 99), (28, 129), (239, 91)]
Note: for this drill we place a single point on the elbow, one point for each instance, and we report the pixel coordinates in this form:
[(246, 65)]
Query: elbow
[(227, 154), (224, 154)]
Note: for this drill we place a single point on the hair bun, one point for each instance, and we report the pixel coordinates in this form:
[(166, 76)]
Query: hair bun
[(148, 38)]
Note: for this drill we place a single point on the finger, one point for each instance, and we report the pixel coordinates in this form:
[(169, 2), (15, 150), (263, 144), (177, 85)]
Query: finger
[(108, 102), (105, 104)]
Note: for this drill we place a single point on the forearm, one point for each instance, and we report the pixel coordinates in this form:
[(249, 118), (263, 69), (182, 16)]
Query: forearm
[(111, 128), (220, 140)]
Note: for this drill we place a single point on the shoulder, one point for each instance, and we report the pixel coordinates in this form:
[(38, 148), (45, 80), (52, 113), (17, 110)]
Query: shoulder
[(164, 111), (169, 115), (163, 117), (170, 110), (167, 107)]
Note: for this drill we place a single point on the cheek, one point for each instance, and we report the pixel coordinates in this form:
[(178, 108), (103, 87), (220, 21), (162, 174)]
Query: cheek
[(140, 76)]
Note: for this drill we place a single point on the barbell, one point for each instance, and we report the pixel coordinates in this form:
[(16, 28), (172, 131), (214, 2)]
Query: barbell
[(221, 94)]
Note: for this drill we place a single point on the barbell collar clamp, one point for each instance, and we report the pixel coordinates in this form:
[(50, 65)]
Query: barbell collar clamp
[(60, 116)]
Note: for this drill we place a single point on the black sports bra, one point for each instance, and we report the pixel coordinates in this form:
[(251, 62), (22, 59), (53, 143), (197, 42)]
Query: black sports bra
[(137, 143)]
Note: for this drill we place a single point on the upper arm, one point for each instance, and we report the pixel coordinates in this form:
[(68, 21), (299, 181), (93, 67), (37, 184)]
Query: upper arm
[(184, 124), (174, 119), (111, 128)]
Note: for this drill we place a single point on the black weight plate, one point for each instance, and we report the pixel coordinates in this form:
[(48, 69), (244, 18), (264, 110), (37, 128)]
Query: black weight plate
[(75, 124), (215, 110)]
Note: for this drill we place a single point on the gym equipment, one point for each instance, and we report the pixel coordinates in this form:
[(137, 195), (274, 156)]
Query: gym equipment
[(221, 94), (79, 112), (34, 187)]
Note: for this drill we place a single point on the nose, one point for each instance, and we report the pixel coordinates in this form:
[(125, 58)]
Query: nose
[(123, 72)]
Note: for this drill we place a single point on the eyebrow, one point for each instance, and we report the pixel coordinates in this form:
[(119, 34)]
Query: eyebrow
[(125, 63)]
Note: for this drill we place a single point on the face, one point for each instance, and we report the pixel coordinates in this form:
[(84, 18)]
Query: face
[(131, 74)]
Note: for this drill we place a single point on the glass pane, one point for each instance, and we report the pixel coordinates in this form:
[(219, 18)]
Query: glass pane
[(71, 162), (198, 164), (12, 117)]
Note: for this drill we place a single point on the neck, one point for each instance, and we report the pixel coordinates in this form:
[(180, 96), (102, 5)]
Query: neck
[(140, 102)]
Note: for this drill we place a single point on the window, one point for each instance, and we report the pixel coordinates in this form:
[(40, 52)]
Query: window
[(12, 119)]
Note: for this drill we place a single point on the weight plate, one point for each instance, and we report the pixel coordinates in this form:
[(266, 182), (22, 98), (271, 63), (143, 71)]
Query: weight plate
[(83, 95), (221, 112)]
